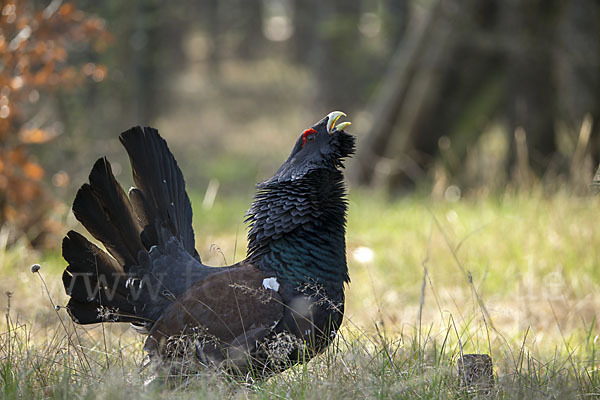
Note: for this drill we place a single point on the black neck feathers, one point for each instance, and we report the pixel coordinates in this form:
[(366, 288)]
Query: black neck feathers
[(297, 229)]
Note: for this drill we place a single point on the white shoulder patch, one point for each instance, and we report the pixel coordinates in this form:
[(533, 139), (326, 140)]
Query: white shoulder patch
[(271, 283)]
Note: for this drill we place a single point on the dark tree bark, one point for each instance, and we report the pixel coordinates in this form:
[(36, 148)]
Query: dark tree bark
[(304, 40), (400, 100), (474, 62), (577, 71), (250, 27), (529, 26), (213, 23), (395, 20), (336, 53)]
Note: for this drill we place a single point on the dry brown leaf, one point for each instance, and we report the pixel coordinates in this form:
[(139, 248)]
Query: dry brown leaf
[(33, 171), (36, 136)]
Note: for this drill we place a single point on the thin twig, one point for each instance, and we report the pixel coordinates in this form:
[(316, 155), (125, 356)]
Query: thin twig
[(36, 270)]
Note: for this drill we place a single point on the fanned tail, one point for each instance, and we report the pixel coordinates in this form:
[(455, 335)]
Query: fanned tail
[(96, 283), (148, 235), (105, 211), (94, 280), (159, 199)]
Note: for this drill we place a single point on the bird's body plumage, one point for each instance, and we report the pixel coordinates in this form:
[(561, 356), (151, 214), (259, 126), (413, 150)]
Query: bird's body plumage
[(281, 305)]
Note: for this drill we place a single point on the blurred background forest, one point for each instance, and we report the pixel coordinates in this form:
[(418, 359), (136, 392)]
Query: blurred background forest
[(451, 98)]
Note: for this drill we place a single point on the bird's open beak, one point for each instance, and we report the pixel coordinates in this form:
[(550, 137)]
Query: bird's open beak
[(332, 118)]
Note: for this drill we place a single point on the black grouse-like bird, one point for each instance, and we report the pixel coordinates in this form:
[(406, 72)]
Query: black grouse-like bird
[(280, 306)]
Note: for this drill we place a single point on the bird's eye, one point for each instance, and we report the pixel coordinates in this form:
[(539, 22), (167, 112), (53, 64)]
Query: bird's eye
[(308, 135)]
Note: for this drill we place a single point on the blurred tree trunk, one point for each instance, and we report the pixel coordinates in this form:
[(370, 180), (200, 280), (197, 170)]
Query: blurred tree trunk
[(304, 40), (577, 71), (335, 54), (471, 63), (252, 41), (577, 58), (214, 34), (345, 46), (529, 28), (395, 20), (142, 60), (463, 77), (157, 45), (404, 98), (143, 41)]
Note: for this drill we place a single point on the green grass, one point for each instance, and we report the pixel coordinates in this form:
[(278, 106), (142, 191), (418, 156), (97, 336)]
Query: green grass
[(515, 277)]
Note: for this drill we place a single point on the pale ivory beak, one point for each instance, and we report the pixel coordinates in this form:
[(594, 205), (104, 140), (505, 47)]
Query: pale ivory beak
[(332, 118)]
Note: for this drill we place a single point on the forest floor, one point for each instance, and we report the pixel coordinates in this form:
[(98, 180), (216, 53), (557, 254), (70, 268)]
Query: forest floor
[(515, 277)]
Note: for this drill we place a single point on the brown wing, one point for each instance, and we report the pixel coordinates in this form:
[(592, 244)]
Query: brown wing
[(222, 318)]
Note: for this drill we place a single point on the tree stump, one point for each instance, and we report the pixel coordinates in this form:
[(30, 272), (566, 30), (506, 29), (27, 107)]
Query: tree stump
[(476, 373)]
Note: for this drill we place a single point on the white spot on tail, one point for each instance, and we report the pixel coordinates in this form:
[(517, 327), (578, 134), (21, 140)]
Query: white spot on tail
[(271, 283)]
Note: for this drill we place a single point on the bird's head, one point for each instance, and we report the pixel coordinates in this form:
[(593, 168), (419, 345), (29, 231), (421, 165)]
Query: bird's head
[(324, 145)]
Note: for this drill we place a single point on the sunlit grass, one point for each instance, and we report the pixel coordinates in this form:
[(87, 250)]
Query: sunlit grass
[(515, 277)]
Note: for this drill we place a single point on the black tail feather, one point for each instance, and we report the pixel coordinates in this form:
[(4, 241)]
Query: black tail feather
[(104, 209), (95, 282), (146, 216), (157, 213), (160, 199)]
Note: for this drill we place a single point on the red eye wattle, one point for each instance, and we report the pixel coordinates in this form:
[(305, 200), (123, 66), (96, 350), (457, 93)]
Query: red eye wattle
[(308, 134)]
